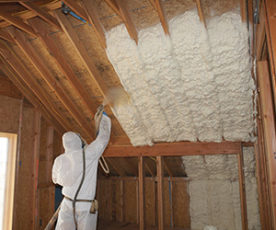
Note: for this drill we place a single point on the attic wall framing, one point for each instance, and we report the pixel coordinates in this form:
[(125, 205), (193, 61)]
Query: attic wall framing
[(197, 149)]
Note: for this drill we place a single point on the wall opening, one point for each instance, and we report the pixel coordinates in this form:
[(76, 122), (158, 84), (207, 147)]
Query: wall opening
[(7, 177)]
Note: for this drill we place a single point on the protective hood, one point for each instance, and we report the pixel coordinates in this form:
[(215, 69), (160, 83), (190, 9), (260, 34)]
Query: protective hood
[(71, 141)]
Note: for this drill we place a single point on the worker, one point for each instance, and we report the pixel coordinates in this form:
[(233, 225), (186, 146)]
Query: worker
[(76, 171)]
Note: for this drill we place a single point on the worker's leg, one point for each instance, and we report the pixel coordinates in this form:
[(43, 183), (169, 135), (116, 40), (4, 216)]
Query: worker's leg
[(65, 217), (87, 221)]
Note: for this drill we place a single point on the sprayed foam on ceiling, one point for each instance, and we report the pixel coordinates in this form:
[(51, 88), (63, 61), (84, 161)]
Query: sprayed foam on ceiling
[(195, 84)]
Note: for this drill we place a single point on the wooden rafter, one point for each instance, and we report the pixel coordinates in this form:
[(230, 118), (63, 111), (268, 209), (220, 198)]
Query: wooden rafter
[(17, 23), (200, 12), (41, 13), (76, 8), (4, 35), (156, 4), (243, 10), (34, 58), (83, 54), (173, 149), (94, 20), (27, 14), (24, 74), (120, 9), (31, 97), (64, 66)]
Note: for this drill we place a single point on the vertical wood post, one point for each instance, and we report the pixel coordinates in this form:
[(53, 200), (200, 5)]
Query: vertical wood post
[(268, 118), (17, 166), (141, 194), (122, 203), (37, 130), (160, 192), (242, 191), (49, 163)]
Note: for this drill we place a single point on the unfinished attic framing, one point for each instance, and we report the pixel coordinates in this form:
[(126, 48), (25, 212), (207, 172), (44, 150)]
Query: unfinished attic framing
[(193, 139)]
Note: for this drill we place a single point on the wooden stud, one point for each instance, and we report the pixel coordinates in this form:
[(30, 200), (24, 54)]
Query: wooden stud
[(64, 66), (76, 8), (260, 34), (50, 152), (160, 192), (266, 101), (242, 190), (34, 58), (200, 12), (6, 36), (94, 20), (119, 8), (173, 149), (141, 194), (270, 25), (41, 13), (121, 202), (37, 130), (17, 23)]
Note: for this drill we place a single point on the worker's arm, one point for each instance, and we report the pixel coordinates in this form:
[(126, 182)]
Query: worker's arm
[(97, 147)]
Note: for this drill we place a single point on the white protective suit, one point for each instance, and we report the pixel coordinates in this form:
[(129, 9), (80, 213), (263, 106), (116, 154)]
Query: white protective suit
[(67, 171)]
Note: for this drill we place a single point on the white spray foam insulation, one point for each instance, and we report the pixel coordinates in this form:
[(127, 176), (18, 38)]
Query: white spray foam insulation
[(195, 84), (214, 191)]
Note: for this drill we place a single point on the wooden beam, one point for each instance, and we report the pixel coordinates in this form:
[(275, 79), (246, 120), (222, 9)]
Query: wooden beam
[(17, 23), (31, 97), (268, 117), (119, 7), (141, 194), (174, 149), (4, 35), (34, 58), (270, 25), (41, 13), (64, 66), (94, 20), (200, 12), (243, 10), (86, 59), (19, 68), (37, 130), (242, 190), (160, 202), (76, 8), (260, 34)]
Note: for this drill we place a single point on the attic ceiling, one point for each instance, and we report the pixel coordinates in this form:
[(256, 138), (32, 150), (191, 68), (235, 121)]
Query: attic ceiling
[(61, 65)]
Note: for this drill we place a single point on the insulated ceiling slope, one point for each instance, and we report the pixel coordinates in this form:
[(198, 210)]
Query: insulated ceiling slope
[(195, 84)]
